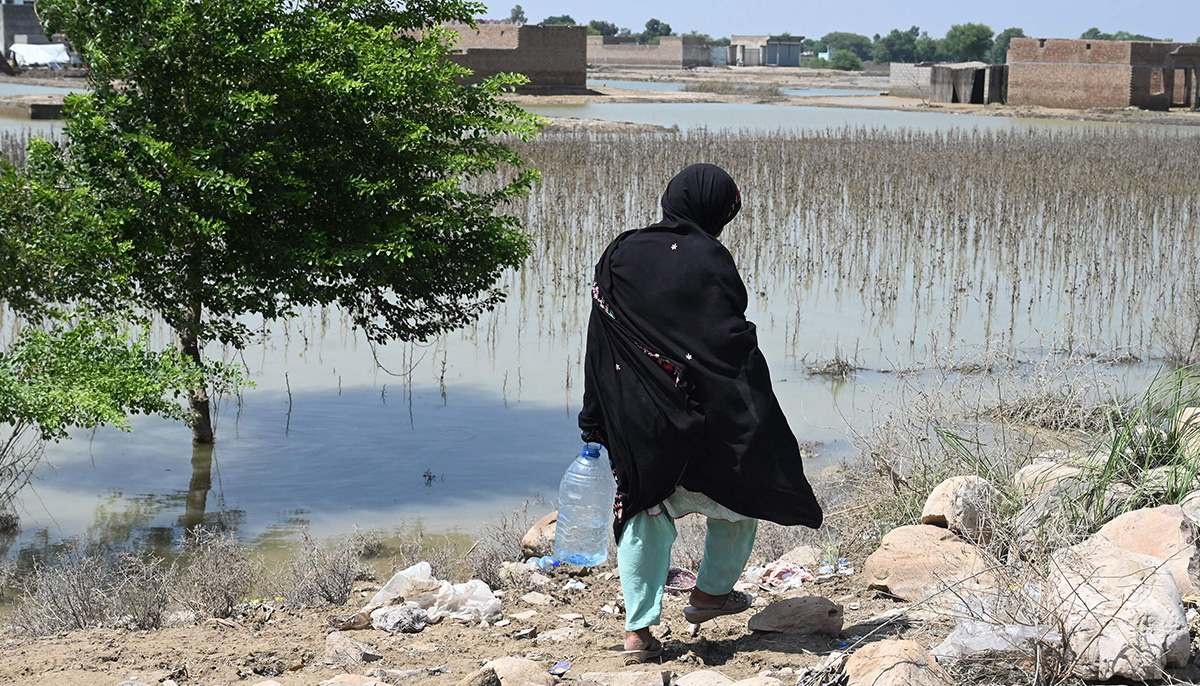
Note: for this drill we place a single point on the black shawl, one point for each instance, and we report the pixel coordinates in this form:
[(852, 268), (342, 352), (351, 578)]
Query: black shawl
[(675, 385)]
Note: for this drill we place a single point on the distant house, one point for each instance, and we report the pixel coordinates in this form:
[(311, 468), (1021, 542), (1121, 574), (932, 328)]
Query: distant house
[(1079, 73), (20, 24), (774, 51), (553, 58), (957, 82), (680, 52)]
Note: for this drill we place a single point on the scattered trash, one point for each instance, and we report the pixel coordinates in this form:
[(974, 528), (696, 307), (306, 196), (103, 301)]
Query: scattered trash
[(840, 566), (560, 668), (400, 619), (680, 580), (776, 577), (979, 626), (544, 563), (417, 589), (574, 585)]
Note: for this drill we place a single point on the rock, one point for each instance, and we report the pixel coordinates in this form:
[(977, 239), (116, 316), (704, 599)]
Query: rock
[(525, 615), (759, 681), (1032, 480), (515, 574), (342, 650), (704, 677), (806, 615), (570, 616), (539, 579), (631, 678), (268, 682), (1170, 479), (353, 680), (1122, 613), (1191, 506), (1047, 523), (964, 504), (568, 633), (539, 540), (807, 556), (914, 562), (535, 598), (518, 671), (1164, 533), (893, 663), (484, 676)]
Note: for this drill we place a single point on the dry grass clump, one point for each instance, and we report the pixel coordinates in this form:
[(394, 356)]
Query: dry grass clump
[(727, 88), (324, 573), (68, 594), (219, 572), (1178, 328)]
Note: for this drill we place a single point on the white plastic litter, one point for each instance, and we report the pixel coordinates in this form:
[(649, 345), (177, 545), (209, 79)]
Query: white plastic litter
[(979, 627), (416, 587), (574, 585), (400, 619)]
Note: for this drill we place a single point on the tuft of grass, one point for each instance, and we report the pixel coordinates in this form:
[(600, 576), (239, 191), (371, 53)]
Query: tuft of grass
[(219, 572), (726, 88), (324, 573), (70, 593)]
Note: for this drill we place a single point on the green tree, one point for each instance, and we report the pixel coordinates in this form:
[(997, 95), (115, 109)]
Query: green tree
[(840, 40), (845, 60), (928, 49), (517, 16), (897, 46), (559, 20), (655, 29), (262, 156), (1000, 47), (601, 28), (1096, 34), (968, 42)]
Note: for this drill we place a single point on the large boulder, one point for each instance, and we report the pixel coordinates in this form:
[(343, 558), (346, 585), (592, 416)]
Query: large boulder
[(808, 556), (1165, 534), (893, 663), (1121, 612), (966, 505), (805, 615), (1032, 480), (1050, 521), (1191, 506), (915, 562), (539, 540)]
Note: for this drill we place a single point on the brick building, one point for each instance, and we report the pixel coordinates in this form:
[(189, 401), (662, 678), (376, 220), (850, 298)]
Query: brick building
[(672, 51), (1078, 74), (554, 58)]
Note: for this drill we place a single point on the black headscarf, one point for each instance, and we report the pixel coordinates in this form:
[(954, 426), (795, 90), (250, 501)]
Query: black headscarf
[(675, 385)]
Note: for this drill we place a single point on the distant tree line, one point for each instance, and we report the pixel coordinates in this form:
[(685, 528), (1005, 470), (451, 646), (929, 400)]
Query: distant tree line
[(969, 42)]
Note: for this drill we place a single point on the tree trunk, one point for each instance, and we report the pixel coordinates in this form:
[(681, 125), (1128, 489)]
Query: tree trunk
[(189, 345), (201, 483)]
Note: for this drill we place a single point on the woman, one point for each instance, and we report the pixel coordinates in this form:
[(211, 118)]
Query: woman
[(678, 391)]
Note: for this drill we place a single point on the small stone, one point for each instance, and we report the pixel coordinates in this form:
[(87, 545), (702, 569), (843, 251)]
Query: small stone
[(169, 682), (342, 650), (570, 616), (518, 671), (352, 680), (535, 598), (484, 676), (759, 681), (631, 678), (268, 682), (539, 579), (502, 623), (893, 663), (525, 615), (805, 615), (531, 632), (539, 540), (704, 677), (562, 635), (1033, 480)]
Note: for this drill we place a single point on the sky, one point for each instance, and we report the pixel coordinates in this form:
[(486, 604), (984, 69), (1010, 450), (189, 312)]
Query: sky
[(1038, 18)]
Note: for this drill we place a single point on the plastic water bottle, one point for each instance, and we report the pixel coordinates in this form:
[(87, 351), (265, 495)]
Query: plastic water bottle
[(585, 499), (544, 563)]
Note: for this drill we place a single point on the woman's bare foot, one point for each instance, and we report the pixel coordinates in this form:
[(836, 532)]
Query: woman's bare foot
[(638, 640)]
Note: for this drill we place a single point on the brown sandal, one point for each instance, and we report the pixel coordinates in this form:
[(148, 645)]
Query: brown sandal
[(735, 602), (638, 657)]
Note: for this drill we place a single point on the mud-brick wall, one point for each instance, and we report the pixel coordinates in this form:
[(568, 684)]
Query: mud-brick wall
[(672, 51), (1153, 87), (550, 56), (909, 81), (1073, 74)]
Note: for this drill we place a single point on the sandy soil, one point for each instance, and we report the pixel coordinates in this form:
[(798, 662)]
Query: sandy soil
[(288, 645)]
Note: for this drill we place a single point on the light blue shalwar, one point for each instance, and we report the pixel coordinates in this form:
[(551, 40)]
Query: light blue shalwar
[(644, 554)]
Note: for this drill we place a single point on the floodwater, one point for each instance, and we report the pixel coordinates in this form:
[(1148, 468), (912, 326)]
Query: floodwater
[(337, 434), (766, 117), (674, 87)]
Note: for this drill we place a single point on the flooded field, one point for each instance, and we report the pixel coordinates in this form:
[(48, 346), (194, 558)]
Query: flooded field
[(896, 249)]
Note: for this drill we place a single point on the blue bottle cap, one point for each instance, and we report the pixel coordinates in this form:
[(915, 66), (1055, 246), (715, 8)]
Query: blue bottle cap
[(591, 450)]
